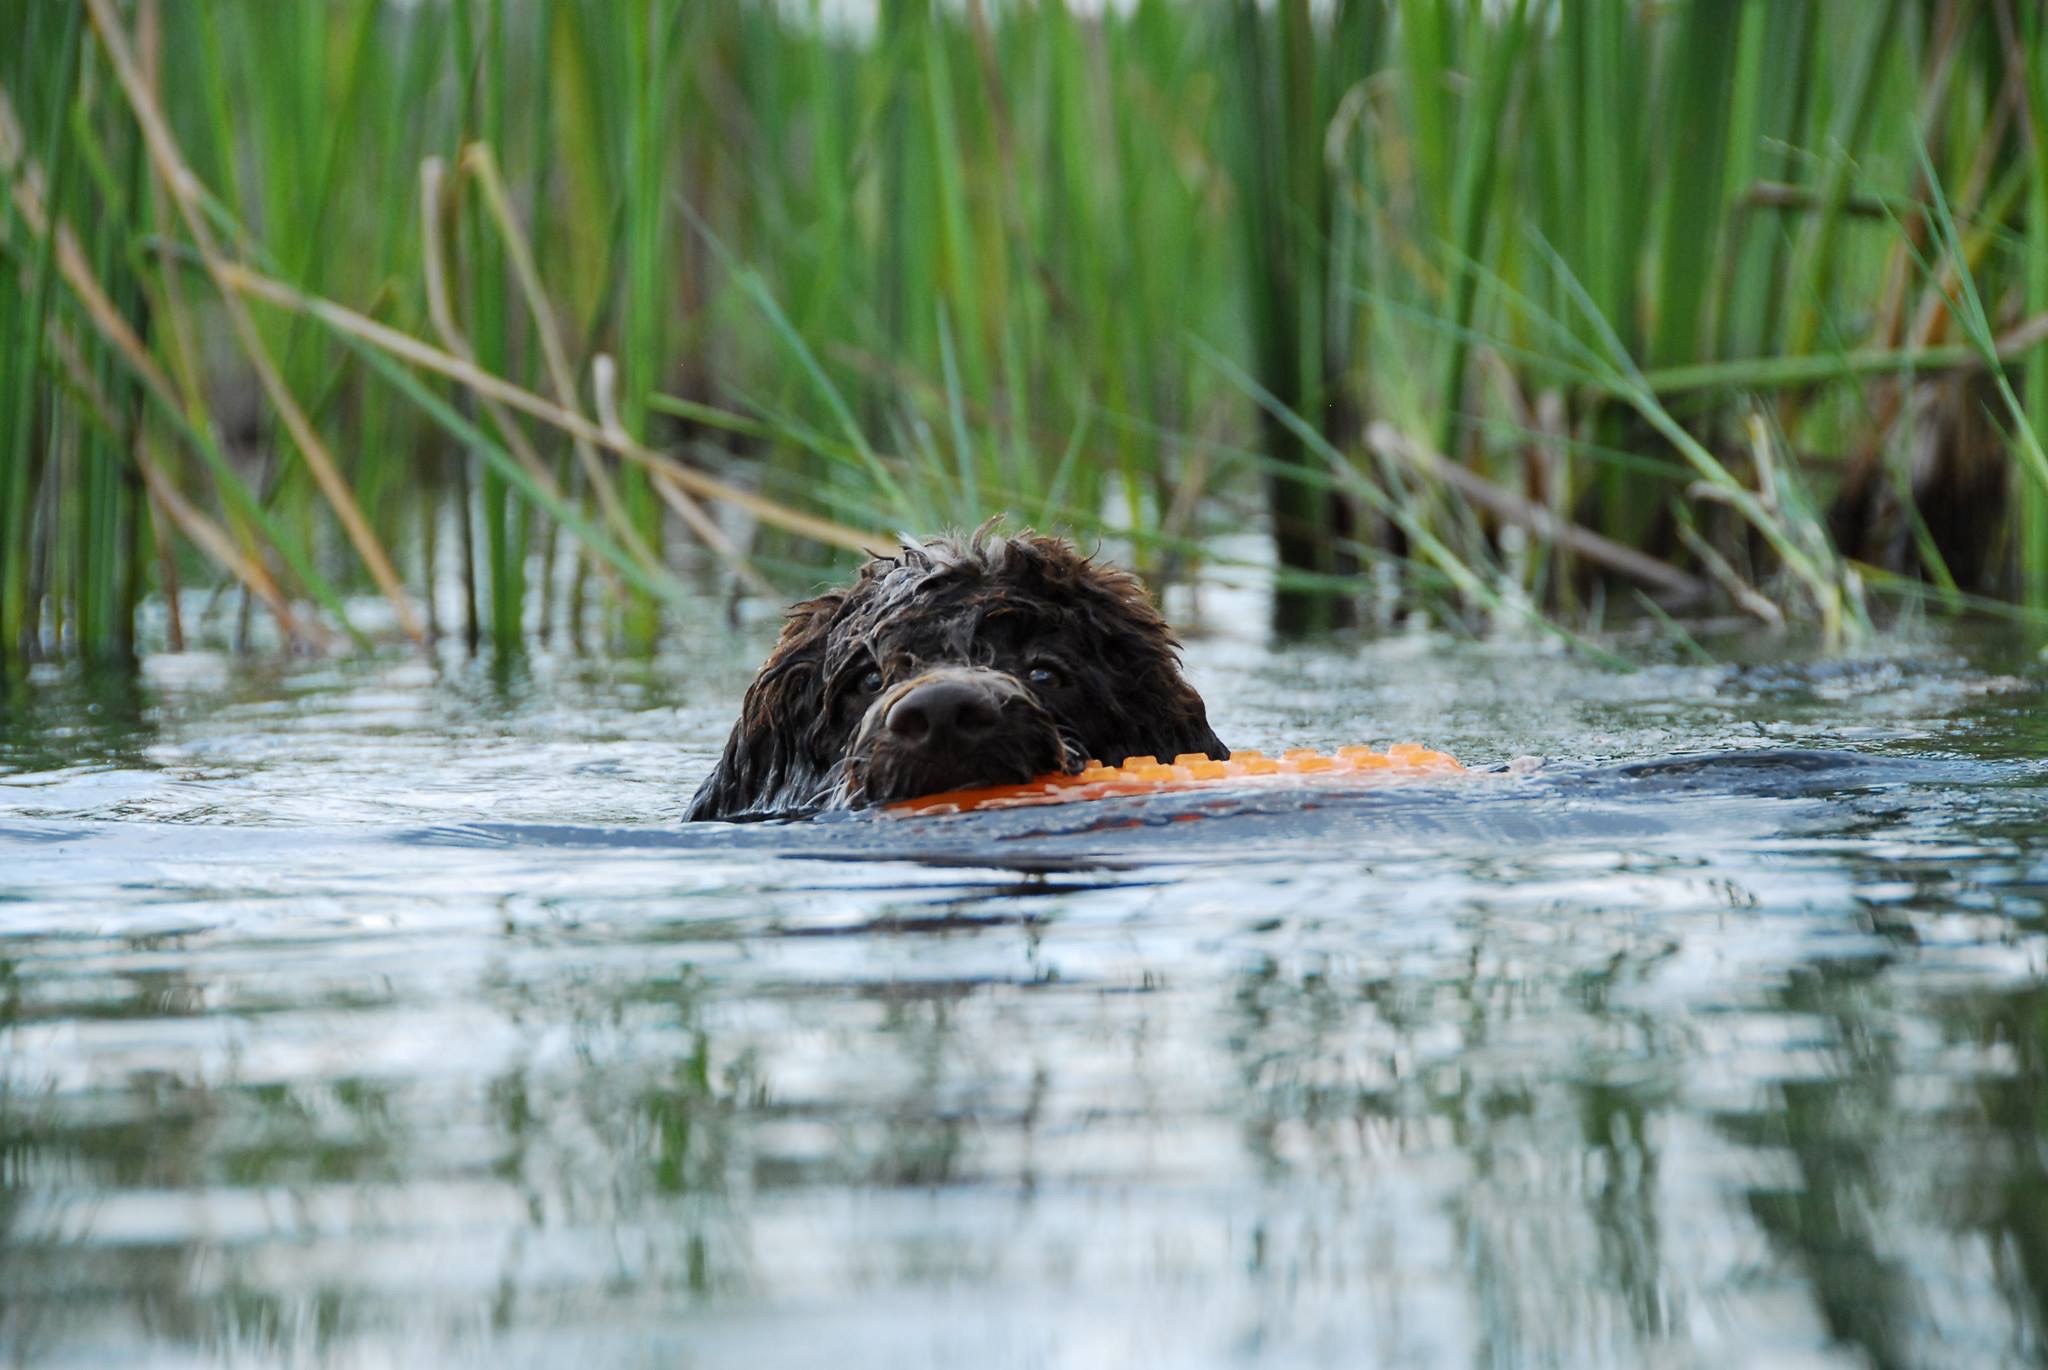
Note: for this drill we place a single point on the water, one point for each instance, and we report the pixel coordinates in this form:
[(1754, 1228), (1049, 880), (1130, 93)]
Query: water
[(363, 1015)]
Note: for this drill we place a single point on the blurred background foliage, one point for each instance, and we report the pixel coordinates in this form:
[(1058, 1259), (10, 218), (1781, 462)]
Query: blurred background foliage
[(517, 322)]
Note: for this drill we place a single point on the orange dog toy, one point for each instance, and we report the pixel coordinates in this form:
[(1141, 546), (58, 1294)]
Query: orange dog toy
[(1190, 771)]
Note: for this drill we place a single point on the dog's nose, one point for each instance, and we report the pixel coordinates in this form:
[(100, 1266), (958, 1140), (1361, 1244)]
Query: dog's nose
[(943, 709)]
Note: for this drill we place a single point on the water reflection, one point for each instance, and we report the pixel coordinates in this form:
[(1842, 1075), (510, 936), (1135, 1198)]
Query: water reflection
[(85, 715), (2003, 1191), (1695, 1067)]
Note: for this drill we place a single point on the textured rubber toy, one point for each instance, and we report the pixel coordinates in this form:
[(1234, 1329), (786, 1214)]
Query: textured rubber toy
[(1190, 771)]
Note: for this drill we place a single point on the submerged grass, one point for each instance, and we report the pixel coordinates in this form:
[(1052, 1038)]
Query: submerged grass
[(537, 318)]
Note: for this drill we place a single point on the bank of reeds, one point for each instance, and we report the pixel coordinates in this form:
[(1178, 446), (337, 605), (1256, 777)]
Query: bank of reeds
[(534, 318)]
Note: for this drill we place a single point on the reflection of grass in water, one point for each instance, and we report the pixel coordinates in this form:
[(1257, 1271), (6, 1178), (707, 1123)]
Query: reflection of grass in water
[(1830, 1220), (949, 265), (92, 715)]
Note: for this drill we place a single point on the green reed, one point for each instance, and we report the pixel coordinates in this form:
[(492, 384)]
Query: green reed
[(29, 310), (1546, 280), (2031, 497)]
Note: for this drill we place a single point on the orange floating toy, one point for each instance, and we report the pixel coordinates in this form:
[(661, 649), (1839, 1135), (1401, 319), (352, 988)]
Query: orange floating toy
[(1190, 771)]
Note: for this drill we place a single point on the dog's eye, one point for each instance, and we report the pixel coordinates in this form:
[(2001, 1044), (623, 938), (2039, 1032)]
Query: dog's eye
[(1045, 676), (871, 682)]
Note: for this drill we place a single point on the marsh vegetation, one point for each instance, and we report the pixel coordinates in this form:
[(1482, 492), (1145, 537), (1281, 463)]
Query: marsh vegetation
[(535, 319)]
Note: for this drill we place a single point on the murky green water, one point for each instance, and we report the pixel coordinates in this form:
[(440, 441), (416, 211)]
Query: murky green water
[(353, 1015)]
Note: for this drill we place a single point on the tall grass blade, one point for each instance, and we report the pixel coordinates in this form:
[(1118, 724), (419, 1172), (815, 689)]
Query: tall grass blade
[(17, 626)]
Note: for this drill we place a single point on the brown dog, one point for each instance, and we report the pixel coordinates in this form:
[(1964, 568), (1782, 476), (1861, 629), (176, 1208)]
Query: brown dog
[(961, 662)]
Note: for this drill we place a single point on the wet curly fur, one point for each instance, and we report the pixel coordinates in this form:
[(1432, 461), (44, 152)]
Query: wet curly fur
[(1064, 659)]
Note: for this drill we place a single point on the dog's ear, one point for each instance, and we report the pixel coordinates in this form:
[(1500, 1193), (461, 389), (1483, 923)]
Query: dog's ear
[(1186, 724), (1150, 707), (1159, 712), (769, 763)]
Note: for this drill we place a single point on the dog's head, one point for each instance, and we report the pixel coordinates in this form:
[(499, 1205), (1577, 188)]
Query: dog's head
[(961, 662)]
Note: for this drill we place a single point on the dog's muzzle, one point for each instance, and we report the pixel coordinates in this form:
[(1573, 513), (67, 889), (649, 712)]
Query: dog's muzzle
[(953, 728)]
